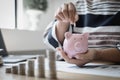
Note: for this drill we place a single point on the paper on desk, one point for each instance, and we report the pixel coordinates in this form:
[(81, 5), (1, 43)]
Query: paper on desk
[(90, 68)]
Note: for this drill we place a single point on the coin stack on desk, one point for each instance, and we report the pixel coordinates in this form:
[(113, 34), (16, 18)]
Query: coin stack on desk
[(22, 68), (28, 68), (41, 66), (1, 61), (51, 64), (8, 70), (14, 69)]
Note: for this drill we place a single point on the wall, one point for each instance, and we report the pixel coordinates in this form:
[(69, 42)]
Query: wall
[(17, 40)]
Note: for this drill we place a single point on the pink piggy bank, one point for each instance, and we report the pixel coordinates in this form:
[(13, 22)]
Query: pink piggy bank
[(75, 43)]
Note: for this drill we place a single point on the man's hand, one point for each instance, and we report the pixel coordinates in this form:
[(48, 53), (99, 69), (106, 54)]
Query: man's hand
[(80, 59), (66, 13)]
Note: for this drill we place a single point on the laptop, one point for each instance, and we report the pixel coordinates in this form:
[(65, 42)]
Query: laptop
[(11, 58)]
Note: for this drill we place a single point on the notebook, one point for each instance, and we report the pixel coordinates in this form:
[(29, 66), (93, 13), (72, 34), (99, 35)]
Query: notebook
[(11, 58)]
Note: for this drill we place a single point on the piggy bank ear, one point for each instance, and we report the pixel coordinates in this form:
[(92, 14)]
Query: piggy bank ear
[(86, 35), (68, 35)]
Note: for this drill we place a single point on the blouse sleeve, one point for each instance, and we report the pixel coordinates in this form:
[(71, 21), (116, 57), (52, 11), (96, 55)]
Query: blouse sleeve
[(49, 36)]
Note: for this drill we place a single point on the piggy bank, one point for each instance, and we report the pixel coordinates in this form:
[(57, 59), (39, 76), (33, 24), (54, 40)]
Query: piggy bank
[(75, 43)]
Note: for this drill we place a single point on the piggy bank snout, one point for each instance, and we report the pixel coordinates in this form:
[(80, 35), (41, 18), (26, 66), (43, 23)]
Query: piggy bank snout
[(77, 44)]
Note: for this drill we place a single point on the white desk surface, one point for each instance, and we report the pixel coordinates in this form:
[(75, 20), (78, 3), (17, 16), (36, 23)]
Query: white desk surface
[(61, 75)]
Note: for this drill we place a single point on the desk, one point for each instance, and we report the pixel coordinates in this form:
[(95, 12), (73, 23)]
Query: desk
[(60, 76)]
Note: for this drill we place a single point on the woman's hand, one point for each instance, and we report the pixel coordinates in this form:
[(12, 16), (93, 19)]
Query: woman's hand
[(66, 13), (80, 59)]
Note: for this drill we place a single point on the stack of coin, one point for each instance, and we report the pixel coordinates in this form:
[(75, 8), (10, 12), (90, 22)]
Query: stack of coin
[(14, 69), (22, 68), (41, 66), (51, 64), (8, 70), (30, 67), (1, 61)]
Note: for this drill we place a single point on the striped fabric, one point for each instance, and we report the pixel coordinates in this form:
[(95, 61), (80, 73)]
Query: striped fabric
[(101, 18), (104, 7)]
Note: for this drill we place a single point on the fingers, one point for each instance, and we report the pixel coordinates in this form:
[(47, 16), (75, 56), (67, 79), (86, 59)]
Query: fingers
[(66, 58), (72, 12), (67, 13), (80, 56), (58, 15)]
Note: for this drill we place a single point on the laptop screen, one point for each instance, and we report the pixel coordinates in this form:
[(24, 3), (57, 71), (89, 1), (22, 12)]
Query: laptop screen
[(3, 51)]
